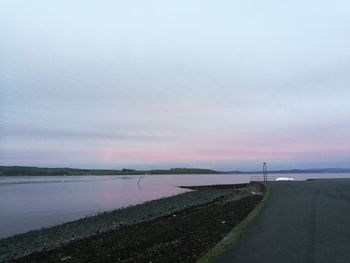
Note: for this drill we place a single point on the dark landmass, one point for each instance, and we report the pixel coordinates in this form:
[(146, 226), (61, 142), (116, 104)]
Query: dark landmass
[(36, 171), (182, 236), (295, 171), (219, 186)]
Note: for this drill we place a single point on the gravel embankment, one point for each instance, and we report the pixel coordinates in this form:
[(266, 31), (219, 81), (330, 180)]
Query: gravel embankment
[(50, 238)]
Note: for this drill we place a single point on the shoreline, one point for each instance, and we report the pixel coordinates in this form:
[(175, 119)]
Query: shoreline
[(66, 171), (57, 236)]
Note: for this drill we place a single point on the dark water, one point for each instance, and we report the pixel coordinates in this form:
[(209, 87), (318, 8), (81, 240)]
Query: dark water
[(28, 203)]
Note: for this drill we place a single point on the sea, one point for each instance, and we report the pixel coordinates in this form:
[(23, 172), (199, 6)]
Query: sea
[(33, 202)]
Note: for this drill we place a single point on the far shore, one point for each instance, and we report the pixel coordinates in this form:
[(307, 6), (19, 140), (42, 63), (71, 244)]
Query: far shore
[(42, 171), (38, 171)]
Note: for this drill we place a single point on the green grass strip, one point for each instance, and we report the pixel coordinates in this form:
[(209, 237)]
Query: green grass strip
[(232, 238)]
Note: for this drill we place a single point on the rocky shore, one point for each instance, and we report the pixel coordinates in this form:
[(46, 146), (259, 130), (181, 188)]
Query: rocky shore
[(75, 234)]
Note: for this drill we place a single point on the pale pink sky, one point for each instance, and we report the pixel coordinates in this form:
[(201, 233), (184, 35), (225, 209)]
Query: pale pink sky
[(217, 84)]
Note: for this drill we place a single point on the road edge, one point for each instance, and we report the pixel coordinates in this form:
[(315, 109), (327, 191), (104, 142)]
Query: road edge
[(232, 238)]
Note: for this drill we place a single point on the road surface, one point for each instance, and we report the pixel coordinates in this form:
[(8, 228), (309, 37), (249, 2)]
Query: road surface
[(300, 222)]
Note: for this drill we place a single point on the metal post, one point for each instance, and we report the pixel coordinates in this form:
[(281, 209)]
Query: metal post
[(265, 172)]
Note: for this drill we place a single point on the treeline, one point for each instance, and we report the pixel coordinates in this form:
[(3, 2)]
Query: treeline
[(36, 171)]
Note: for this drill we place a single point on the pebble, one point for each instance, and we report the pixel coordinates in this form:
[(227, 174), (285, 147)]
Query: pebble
[(50, 238)]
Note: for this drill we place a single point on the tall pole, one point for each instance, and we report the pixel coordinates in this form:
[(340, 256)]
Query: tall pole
[(265, 172)]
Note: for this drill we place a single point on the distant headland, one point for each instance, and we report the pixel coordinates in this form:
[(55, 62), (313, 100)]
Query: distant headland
[(37, 171), (27, 170)]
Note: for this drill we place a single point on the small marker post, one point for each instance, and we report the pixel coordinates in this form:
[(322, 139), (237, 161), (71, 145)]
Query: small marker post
[(265, 172)]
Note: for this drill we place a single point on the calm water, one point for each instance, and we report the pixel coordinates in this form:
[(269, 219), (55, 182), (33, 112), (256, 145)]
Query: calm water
[(28, 203)]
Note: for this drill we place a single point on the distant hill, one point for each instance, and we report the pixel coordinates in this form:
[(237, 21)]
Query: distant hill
[(296, 171), (36, 171)]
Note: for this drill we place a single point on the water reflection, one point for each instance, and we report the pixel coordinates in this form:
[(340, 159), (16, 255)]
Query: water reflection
[(33, 202)]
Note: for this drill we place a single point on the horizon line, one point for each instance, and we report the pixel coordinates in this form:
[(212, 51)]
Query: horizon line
[(150, 169)]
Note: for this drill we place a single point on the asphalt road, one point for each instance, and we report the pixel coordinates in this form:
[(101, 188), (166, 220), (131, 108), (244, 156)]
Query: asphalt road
[(301, 222)]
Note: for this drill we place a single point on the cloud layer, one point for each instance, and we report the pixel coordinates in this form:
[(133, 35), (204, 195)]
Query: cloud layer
[(222, 84)]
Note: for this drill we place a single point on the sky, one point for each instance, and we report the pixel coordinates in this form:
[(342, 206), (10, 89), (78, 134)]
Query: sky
[(157, 84)]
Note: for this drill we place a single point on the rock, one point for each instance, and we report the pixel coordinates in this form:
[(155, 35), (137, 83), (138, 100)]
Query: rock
[(66, 258)]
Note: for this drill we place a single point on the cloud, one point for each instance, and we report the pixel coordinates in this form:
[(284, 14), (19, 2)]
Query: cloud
[(199, 82), (53, 134)]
